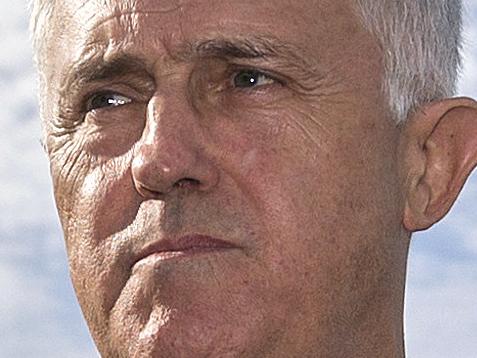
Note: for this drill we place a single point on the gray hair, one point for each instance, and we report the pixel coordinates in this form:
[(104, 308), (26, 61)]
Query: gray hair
[(420, 40)]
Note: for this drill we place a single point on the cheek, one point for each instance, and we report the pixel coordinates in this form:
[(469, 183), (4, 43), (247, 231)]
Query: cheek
[(108, 201), (95, 198), (323, 198), (112, 133), (99, 205)]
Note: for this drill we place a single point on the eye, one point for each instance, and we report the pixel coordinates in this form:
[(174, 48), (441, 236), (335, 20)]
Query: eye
[(106, 100), (251, 78)]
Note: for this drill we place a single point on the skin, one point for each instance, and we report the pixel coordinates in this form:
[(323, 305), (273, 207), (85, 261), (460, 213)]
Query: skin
[(304, 172)]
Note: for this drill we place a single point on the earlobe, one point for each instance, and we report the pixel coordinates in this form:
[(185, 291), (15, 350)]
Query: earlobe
[(443, 138)]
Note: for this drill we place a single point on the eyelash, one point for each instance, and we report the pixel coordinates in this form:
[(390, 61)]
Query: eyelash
[(90, 99), (254, 73)]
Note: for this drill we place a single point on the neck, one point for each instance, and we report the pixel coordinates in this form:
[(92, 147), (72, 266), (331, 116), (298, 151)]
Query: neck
[(375, 332), (372, 327), (376, 328)]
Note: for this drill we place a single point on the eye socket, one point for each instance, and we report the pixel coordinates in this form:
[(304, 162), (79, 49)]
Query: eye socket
[(251, 78), (106, 100)]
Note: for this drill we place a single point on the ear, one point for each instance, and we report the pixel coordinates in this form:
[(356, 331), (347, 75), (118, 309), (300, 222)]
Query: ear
[(439, 148)]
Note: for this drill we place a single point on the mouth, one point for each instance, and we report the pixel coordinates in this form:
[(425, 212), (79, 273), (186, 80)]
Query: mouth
[(183, 247)]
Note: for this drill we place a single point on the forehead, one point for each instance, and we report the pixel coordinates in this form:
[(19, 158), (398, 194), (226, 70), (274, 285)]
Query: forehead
[(208, 12), (152, 25)]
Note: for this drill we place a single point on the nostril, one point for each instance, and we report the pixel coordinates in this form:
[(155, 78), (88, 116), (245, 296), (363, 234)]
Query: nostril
[(187, 183)]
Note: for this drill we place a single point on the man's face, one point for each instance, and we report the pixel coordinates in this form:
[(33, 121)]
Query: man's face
[(253, 122)]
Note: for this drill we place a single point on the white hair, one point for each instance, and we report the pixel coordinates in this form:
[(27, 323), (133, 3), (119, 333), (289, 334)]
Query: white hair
[(420, 40), (40, 30)]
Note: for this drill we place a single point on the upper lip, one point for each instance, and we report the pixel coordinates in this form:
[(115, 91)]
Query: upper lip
[(184, 243)]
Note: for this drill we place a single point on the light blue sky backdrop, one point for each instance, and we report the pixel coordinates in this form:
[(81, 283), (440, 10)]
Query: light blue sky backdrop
[(39, 316)]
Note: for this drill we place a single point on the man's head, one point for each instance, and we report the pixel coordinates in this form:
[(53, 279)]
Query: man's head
[(230, 176)]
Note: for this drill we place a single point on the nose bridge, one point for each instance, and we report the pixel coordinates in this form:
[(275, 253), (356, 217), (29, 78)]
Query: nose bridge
[(169, 112), (166, 144), (166, 121), (169, 151)]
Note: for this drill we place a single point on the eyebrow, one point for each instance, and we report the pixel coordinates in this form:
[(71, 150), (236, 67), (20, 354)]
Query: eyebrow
[(249, 48), (123, 64), (97, 69)]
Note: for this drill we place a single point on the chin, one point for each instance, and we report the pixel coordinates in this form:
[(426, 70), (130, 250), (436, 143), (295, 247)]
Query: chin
[(174, 333)]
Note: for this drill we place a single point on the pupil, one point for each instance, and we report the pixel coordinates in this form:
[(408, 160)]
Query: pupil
[(105, 101), (101, 101), (246, 79)]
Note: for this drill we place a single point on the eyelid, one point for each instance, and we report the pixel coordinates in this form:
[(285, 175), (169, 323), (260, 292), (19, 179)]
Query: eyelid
[(87, 106), (235, 70), (137, 90)]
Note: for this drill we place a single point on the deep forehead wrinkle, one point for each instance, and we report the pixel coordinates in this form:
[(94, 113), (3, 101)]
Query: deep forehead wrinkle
[(126, 8)]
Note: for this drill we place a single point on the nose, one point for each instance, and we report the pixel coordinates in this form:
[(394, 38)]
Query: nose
[(170, 155)]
